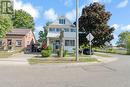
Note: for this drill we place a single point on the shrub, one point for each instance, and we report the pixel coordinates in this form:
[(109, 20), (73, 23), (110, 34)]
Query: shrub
[(65, 53), (45, 53), (110, 51), (49, 48), (58, 53)]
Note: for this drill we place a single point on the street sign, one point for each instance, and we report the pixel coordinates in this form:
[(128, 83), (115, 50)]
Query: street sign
[(90, 37)]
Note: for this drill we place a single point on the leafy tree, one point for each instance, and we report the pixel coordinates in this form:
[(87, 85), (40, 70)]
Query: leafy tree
[(5, 25), (123, 38), (94, 19), (23, 19), (128, 45), (42, 37)]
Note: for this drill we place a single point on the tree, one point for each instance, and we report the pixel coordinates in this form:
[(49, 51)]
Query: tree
[(128, 45), (23, 19), (5, 25), (94, 19), (123, 38)]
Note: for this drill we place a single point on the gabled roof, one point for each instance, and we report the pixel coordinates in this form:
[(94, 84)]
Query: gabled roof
[(68, 22), (18, 32)]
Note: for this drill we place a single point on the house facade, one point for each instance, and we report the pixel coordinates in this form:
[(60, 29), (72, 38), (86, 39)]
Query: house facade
[(17, 39), (54, 34)]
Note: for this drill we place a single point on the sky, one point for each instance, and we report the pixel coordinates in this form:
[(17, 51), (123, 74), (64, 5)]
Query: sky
[(48, 10)]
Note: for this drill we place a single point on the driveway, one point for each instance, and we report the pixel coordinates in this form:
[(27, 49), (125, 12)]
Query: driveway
[(113, 74)]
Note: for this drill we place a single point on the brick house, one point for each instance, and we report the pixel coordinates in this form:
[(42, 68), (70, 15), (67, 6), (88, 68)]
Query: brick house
[(18, 39)]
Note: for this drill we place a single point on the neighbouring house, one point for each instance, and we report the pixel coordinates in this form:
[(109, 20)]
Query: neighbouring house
[(69, 34), (18, 39)]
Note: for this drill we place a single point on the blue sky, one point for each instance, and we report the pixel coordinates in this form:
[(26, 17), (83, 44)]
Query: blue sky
[(48, 10)]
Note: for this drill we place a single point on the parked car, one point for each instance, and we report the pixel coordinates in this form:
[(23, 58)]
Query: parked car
[(39, 49), (86, 51)]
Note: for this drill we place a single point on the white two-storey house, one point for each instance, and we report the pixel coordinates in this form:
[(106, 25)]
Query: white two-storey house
[(69, 34)]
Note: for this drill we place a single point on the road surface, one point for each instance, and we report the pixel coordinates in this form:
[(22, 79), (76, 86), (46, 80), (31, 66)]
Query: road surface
[(114, 74)]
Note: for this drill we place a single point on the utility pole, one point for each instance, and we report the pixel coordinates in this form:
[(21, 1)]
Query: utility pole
[(77, 32)]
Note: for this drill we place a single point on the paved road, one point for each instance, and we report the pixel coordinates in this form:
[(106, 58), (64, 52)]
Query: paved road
[(114, 74)]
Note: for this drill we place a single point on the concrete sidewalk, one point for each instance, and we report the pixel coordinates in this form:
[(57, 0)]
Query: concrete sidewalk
[(17, 59), (22, 59)]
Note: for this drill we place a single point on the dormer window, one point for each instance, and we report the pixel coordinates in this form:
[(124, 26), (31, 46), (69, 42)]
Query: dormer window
[(61, 21)]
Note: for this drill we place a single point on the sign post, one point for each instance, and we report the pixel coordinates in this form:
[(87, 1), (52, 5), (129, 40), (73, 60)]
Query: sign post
[(90, 37), (107, 45)]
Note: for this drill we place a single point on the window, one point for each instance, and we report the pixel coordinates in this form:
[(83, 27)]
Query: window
[(66, 30), (18, 43), (69, 42), (52, 29), (0, 42), (28, 42), (73, 30), (57, 30), (61, 21)]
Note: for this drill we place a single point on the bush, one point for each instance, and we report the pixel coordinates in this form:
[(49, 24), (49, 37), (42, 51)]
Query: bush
[(49, 48), (65, 53), (45, 53), (110, 51)]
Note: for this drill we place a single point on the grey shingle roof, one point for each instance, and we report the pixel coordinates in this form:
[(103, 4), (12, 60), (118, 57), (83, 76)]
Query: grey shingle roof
[(18, 32)]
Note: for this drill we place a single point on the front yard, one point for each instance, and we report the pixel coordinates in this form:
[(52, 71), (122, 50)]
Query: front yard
[(60, 60), (5, 54)]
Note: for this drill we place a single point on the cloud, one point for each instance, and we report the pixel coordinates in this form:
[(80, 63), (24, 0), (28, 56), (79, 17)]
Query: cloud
[(101, 1), (39, 28), (50, 14), (126, 28), (28, 7), (68, 3), (122, 4), (71, 15), (116, 26)]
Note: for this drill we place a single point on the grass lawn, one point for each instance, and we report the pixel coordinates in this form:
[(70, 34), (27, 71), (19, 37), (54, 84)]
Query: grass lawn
[(59, 60), (5, 54), (102, 55)]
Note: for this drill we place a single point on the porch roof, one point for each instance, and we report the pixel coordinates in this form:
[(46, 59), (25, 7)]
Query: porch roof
[(53, 35)]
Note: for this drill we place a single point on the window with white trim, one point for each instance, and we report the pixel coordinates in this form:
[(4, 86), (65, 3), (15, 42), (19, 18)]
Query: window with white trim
[(66, 30), (61, 21), (73, 30), (0, 42), (69, 42), (52, 29), (18, 43)]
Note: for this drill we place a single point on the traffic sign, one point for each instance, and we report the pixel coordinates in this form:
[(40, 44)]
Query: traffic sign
[(90, 37)]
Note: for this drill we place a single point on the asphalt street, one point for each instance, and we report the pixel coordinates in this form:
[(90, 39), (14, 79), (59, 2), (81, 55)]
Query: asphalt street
[(113, 74)]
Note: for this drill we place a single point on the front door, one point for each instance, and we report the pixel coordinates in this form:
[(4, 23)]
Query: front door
[(56, 46), (9, 44)]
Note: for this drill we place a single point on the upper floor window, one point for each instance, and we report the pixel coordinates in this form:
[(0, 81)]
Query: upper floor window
[(52, 30), (73, 30), (61, 21), (66, 30)]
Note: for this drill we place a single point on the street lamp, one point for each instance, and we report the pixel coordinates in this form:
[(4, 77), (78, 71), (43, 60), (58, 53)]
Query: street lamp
[(77, 32)]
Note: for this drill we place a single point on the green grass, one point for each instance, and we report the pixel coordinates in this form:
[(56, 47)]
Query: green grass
[(60, 60), (5, 54), (102, 55)]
